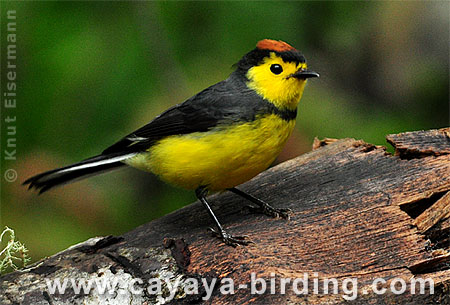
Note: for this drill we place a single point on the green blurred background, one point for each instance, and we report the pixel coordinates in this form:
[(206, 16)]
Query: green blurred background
[(91, 72)]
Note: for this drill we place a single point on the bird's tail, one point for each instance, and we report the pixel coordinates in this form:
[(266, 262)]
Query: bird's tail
[(86, 168)]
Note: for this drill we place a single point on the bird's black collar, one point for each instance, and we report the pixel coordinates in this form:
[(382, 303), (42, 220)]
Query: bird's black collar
[(285, 114)]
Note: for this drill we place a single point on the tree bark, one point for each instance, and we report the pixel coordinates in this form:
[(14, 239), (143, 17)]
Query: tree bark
[(358, 213)]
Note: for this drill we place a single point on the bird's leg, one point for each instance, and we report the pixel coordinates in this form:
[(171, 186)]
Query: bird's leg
[(229, 239), (264, 207)]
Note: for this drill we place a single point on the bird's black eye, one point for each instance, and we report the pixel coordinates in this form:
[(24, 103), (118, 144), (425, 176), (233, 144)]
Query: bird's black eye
[(276, 69)]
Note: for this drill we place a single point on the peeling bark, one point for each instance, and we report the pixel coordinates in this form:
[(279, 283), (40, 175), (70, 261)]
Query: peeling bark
[(358, 212)]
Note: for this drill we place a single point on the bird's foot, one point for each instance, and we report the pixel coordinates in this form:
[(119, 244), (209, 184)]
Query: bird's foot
[(269, 210), (231, 240)]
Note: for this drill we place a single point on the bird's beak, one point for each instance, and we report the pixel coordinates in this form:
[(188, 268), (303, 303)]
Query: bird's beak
[(304, 74)]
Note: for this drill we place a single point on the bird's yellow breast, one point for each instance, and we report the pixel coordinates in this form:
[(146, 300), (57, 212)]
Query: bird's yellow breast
[(221, 158)]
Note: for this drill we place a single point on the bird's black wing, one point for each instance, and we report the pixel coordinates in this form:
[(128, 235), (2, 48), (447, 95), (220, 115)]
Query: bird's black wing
[(218, 103)]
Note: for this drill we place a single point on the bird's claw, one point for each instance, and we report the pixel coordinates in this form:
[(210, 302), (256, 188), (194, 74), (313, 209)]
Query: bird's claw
[(230, 239), (270, 211)]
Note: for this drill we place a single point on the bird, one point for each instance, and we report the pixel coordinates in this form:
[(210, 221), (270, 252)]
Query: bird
[(216, 140)]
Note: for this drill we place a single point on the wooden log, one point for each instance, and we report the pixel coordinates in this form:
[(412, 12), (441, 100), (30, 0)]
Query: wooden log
[(359, 215)]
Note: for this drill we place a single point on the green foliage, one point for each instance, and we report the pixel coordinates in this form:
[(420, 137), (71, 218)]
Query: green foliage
[(13, 254)]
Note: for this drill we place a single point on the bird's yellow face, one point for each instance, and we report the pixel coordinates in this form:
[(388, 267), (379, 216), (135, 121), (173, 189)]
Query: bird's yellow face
[(273, 80)]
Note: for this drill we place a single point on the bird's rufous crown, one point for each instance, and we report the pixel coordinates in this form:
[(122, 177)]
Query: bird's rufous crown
[(274, 45)]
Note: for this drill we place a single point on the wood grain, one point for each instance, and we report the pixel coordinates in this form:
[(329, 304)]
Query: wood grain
[(358, 212)]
